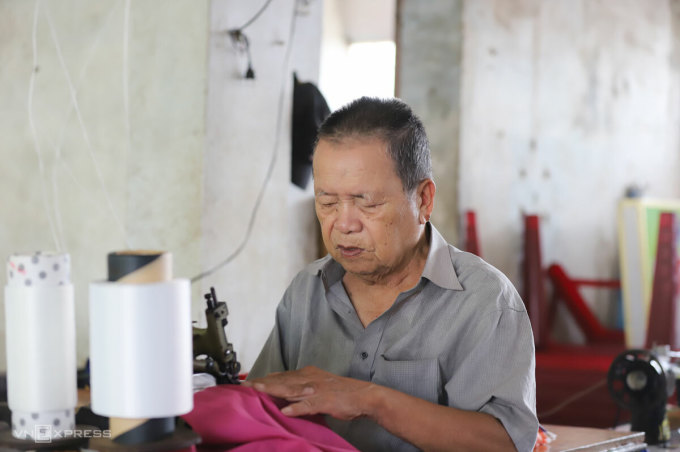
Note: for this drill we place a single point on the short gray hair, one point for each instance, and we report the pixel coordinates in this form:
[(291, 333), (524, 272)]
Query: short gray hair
[(392, 121)]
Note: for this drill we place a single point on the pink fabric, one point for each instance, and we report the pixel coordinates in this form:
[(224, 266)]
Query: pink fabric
[(238, 418)]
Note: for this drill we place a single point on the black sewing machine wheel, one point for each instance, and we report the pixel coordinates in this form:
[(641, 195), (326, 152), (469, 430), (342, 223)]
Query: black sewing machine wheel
[(636, 380)]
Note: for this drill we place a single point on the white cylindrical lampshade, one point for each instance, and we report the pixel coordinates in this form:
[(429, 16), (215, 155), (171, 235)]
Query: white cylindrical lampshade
[(141, 360)]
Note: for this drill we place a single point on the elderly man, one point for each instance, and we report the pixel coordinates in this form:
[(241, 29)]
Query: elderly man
[(402, 340)]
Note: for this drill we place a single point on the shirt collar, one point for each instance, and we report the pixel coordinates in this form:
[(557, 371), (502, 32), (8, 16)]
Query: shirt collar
[(328, 269), (438, 266)]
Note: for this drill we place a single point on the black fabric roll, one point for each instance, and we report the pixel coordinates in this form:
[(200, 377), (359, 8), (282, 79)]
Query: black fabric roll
[(122, 263)]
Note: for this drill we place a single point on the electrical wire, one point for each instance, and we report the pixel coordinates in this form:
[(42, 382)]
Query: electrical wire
[(126, 79), (238, 37), (242, 44), (58, 146), (272, 163), (94, 203), (57, 208), (256, 16), (81, 75), (79, 115), (34, 132), (572, 399)]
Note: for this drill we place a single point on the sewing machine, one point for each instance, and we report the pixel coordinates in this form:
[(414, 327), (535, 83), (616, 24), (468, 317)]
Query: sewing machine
[(213, 353), (642, 381)]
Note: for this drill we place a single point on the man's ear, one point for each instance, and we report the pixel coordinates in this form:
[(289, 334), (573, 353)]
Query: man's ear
[(425, 199)]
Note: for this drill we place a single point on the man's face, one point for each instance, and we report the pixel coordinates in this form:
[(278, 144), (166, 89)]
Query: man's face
[(369, 224)]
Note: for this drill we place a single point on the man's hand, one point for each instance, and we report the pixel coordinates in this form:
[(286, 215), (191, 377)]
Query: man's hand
[(426, 425), (315, 391)]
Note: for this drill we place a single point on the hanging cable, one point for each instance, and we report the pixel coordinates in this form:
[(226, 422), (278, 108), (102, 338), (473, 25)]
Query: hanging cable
[(272, 163), (34, 132), (256, 16), (242, 44), (126, 79), (86, 136), (67, 118), (572, 398), (241, 41)]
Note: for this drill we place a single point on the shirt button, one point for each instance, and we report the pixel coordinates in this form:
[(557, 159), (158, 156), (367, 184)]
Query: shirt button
[(364, 355)]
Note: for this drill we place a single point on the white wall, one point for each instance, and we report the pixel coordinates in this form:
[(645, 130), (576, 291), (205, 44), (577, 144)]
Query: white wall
[(201, 139), (560, 106), (152, 183), (429, 54), (241, 132), (564, 105)]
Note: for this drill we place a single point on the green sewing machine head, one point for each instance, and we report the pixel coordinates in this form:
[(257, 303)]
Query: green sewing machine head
[(213, 353)]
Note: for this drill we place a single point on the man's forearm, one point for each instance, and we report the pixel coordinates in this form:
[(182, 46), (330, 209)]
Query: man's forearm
[(426, 425), (429, 426)]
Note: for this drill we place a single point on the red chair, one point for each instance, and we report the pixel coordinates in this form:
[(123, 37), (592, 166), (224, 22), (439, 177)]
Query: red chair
[(471, 240), (566, 290), (571, 384), (666, 286)]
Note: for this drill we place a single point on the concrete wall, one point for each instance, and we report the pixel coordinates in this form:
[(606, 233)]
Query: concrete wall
[(589, 105), (201, 140), (148, 194), (429, 54), (241, 133), (560, 106), (563, 105)]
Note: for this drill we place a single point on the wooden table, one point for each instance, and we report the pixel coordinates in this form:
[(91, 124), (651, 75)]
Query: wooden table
[(585, 439)]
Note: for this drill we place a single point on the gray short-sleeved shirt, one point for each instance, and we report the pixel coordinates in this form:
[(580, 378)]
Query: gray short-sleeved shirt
[(461, 337)]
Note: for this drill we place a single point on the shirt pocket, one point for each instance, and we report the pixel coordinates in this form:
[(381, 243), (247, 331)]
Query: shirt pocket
[(420, 378)]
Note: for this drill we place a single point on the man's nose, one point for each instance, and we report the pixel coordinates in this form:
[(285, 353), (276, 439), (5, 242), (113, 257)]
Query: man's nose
[(348, 219)]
